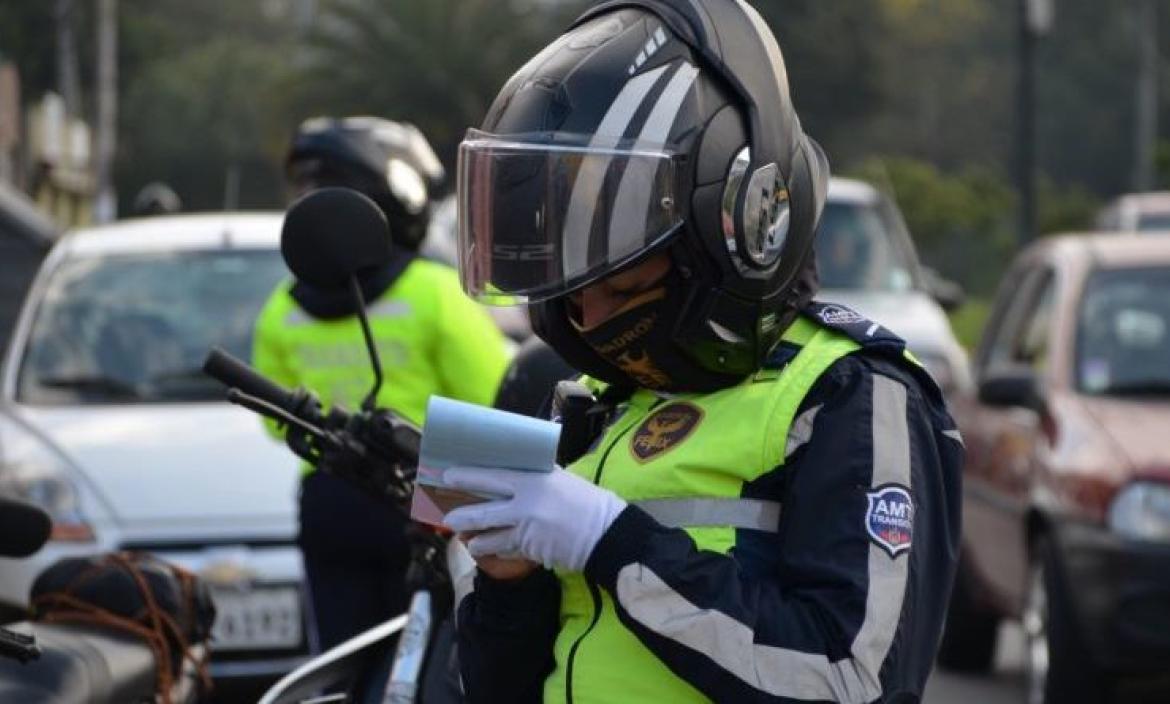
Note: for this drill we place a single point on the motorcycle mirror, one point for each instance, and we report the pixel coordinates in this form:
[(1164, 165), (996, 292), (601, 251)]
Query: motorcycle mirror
[(331, 235)]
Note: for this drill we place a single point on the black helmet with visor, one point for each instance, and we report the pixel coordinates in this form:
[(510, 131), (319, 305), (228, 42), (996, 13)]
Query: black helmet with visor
[(652, 125), (390, 162)]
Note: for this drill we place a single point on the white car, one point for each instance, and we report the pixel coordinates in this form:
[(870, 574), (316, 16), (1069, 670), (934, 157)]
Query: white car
[(867, 262), (1136, 212), (107, 422)]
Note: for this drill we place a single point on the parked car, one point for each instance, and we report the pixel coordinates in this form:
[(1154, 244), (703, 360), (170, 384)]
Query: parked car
[(107, 422), (1066, 499), (868, 262), (1136, 212)]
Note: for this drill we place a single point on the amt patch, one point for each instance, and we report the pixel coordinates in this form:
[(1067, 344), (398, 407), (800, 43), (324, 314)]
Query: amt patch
[(889, 519), (665, 429)]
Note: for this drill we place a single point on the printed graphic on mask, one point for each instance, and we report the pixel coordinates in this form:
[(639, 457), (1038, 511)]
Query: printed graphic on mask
[(665, 429), (889, 519), (642, 370)]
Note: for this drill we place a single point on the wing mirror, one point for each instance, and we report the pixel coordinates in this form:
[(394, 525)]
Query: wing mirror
[(1012, 387), (949, 294)]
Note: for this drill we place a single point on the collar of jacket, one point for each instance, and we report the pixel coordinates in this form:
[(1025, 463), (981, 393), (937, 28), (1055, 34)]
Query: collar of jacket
[(331, 305)]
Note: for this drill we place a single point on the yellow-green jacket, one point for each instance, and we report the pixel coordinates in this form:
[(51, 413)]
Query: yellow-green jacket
[(431, 338)]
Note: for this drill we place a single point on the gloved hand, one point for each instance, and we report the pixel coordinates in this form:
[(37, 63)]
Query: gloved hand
[(555, 518)]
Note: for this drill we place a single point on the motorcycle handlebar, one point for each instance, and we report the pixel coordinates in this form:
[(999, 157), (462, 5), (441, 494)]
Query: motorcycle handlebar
[(234, 373)]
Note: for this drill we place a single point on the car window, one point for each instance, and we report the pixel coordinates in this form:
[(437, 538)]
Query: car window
[(135, 328), (1154, 221), (1030, 347), (1021, 326), (1123, 332), (857, 248)]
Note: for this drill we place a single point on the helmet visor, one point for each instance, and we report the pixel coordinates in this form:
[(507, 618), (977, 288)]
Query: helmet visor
[(542, 215)]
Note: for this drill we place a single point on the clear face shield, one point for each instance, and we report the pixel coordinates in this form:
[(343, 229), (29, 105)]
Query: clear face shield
[(542, 215)]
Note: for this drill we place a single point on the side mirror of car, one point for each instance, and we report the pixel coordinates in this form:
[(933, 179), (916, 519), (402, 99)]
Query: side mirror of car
[(949, 294), (1012, 387)]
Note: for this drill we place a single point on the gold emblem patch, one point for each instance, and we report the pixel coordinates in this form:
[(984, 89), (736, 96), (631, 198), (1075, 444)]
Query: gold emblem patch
[(665, 429)]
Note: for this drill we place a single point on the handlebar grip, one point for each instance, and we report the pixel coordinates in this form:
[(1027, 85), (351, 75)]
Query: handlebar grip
[(234, 373)]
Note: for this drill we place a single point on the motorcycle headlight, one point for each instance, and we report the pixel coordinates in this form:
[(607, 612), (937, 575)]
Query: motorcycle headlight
[(32, 472), (1141, 511)]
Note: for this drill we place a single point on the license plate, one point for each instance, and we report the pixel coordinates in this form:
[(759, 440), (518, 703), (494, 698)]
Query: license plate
[(257, 619)]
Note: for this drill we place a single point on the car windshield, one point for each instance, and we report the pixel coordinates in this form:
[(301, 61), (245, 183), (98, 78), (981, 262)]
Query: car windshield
[(135, 328), (1124, 331), (1159, 220), (857, 248)]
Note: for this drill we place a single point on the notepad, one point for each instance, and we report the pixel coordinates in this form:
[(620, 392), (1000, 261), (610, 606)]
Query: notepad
[(458, 434)]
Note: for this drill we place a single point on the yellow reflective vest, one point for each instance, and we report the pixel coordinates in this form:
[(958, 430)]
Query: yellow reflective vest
[(431, 338), (669, 451)]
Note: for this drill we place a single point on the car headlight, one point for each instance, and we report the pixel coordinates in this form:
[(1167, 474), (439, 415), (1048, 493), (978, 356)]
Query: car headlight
[(32, 472), (1142, 511)]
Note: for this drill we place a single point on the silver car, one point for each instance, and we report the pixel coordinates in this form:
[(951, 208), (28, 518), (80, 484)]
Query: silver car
[(107, 422), (867, 261)]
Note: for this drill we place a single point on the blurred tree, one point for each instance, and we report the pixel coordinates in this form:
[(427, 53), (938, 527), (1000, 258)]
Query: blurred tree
[(836, 64), (202, 99), (1162, 164), (28, 36), (437, 63), (201, 116), (961, 222)]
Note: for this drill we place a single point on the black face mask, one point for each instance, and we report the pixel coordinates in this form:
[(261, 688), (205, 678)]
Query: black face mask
[(639, 340)]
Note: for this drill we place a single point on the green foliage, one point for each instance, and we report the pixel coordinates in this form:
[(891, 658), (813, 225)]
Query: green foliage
[(962, 222), (437, 63), (1162, 164), (969, 320), (836, 62), (199, 113)]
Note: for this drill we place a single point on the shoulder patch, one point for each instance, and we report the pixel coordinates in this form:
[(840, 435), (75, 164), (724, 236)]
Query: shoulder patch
[(889, 518), (854, 325), (664, 429)]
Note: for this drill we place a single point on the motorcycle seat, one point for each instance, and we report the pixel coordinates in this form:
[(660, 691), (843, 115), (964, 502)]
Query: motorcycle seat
[(87, 665)]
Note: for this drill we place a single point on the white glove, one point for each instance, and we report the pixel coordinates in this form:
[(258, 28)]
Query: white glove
[(555, 518)]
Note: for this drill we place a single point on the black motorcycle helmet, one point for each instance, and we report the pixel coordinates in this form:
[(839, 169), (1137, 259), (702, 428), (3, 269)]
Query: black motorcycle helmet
[(390, 162), (650, 126), (156, 198)]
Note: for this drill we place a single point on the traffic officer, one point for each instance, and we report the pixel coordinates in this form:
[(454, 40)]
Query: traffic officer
[(431, 339), (769, 509)]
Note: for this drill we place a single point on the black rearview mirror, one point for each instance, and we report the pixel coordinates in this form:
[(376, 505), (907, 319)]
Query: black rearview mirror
[(1012, 387), (332, 235), (330, 238)]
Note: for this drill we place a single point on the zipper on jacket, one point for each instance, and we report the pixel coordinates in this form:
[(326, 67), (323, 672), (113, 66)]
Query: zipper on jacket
[(594, 590)]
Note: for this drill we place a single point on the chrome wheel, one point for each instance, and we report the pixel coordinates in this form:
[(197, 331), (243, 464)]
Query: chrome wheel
[(1035, 623)]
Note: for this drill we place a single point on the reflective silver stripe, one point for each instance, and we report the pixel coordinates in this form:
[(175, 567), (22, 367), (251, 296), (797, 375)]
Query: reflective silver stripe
[(956, 436), (753, 514), (297, 316), (380, 309), (627, 225), (775, 58), (591, 175), (801, 431), (389, 309), (784, 672)]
